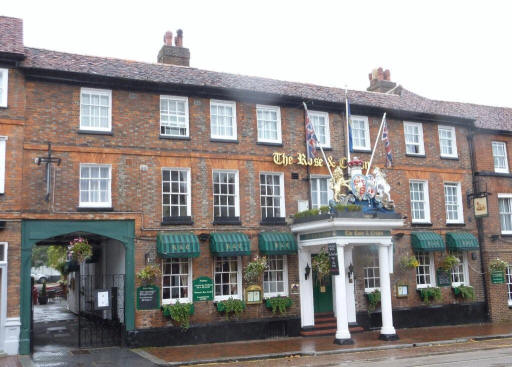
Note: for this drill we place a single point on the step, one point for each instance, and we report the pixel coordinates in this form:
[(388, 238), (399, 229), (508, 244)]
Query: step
[(329, 331)]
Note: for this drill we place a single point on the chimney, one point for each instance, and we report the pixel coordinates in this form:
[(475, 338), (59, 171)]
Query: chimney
[(380, 81), (174, 55)]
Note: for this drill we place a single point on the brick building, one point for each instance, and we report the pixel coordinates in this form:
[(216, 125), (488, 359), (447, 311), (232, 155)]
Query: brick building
[(163, 163)]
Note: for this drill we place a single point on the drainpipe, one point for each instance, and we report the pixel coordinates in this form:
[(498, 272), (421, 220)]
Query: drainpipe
[(479, 224)]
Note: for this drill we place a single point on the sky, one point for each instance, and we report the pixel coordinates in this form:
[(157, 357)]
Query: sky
[(450, 50)]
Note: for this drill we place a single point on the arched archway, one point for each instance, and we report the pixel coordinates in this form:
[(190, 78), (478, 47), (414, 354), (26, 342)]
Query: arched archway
[(33, 231)]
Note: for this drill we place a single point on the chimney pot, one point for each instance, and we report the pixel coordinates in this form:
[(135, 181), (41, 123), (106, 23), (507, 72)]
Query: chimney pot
[(380, 81), (387, 75), (174, 55), (179, 38), (168, 38)]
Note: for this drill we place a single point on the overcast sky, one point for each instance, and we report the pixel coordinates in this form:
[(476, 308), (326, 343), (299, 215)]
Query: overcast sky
[(451, 50)]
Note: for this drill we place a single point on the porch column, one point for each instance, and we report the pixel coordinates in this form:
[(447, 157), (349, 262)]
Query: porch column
[(342, 332), (307, 313), (387, 332)]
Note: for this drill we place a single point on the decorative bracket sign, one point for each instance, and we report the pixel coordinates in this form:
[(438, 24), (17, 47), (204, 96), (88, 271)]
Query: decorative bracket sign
[(148, 297), (333, 258), (202, 289)]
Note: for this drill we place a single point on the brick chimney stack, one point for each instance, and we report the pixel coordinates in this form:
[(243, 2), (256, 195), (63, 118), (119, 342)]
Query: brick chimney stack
[(174, 55), (380, 81)]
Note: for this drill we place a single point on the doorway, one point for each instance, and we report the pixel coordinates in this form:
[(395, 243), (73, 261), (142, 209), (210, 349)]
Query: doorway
[(322, 294)]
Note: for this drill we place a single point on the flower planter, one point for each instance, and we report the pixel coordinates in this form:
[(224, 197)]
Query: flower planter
[(278, 304), (42, 300)]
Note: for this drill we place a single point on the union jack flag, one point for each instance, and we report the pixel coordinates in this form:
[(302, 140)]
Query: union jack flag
[(387, 145), (311, 139)]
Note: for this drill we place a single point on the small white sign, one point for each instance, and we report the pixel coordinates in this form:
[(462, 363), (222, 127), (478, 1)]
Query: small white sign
[(102, 299)]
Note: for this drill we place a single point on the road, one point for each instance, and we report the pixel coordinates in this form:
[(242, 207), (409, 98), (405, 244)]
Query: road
[(488, 353)]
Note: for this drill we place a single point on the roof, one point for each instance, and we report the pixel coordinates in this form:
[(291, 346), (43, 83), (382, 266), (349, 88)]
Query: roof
[(11, 35)]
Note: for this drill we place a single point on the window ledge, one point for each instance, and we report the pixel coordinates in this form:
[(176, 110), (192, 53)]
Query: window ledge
[(218, 140), (95, 209), (170, 137), (449, 158), (455, 224), (493, 174), (324, 148), (361, 150), (415, 155), (273, 221), (269, 144), (421, 224), (225, 298), (227, 220), (272, 295), (95, 132), (166, 221)]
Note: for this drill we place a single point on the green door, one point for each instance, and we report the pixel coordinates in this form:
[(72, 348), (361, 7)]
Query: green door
[(322, 295)]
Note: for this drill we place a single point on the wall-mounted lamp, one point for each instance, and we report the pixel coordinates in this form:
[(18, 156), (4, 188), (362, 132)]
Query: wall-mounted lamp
[(350, 271), (474, 256), (307, 271), (204, 236)]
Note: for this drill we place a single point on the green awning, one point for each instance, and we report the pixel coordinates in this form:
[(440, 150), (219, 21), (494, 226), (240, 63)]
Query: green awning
[(230, 244), (461, 241), (177, 245), (277, 243), (427, 241)]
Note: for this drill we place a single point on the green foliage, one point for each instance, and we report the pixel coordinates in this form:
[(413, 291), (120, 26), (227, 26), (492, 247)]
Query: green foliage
[(39, 256), (307, 213), (449, 262), (464, 292), (56, 254), (278, 304), (80, 249), (498, 265), (180, 313), (409, 262), (149, 273), (429, 294), (373, 300), (255, 269), (321, 265), (43, 290), (348, 208), (231, 306), (324, 209)]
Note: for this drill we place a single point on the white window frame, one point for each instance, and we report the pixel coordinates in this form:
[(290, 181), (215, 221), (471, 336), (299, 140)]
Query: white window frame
[(426, 200), (282, 204), (465, 269), (237, 191), (366, 133), (327, 127), (238, 280), (4, 86), (284, 293), (460, 209), (187, 124), (421, 143), (330, 194), (497, 169), (508, 281), (453, 141), (104, 92), (231, 104), (98, 204), (5, 245), (3, 148), (172, 301), (189, 189), (277, 110), (431, 271), (375, 265), (503, 196)]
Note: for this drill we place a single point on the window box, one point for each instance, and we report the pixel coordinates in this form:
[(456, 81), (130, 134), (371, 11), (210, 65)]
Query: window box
[(231, 306), (429, 294), (177, 220), (464, 292), (275, 221), (278, 304), (227, 220)]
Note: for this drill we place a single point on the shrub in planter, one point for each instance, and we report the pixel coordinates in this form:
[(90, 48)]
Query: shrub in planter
[(278, 304), (231, 306), (373, 300), (464, 292), (180, 313), (348, 208), (430, 294), (148, 274), (307, 213), (254, 270)]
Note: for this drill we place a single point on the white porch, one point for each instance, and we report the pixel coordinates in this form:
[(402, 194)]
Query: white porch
[(346, 233)]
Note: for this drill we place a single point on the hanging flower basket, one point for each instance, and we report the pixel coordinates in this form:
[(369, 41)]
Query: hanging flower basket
[(148, 275), (254, 270), (321, 266), (80, 249)]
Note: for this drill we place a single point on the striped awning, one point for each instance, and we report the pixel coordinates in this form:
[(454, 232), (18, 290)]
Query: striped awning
[(461, 241), (230, 244), (427, 241), (177, 245), (277, 243)]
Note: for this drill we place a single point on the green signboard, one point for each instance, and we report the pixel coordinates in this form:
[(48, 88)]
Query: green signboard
[(203, 289), (497, 277), (148, 297), (443, 278)]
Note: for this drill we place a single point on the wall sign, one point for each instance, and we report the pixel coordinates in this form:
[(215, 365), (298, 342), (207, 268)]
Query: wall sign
[(203, 289), (497, 277), (102, 299), (253, 295), (480, 206), (443, 278), (148, 297), (402, 290), (300, 159), (332, 250)]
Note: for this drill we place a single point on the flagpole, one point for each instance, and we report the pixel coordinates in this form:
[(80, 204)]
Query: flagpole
[(347, 143), (376, 142)]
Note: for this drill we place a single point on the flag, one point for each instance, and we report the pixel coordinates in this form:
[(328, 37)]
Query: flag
[(349, 123), (311, 139), (387, 145)]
